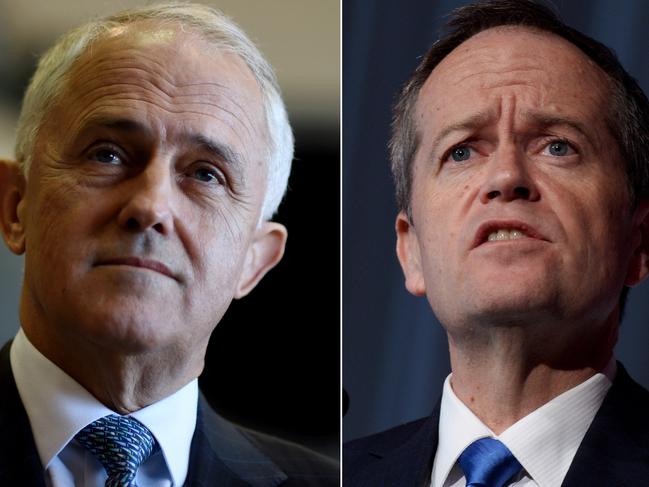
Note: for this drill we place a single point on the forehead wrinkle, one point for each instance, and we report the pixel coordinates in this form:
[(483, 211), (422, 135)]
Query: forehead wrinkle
[(115, 94), (147, 78), (133, 60), (486, 59), (506, 113), (500, 46), (159, 81), (155, 91), (499, 74)]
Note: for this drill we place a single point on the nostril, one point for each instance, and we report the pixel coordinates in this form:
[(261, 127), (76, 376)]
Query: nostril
[(132, 224), (493, 194), (522, 192)]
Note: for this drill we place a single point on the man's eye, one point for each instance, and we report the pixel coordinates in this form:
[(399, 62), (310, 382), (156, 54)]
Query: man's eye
[(460, 153), (558, 148), (107, 156), (206, 175)]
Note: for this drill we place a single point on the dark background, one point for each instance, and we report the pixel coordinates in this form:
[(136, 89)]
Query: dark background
[(395, 355), (273, 362)]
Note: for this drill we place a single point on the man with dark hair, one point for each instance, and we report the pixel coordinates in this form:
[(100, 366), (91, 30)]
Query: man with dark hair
[(519, 157)]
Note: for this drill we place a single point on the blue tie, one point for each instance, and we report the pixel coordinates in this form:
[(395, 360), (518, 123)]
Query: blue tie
[(121, 444), (488, 463)]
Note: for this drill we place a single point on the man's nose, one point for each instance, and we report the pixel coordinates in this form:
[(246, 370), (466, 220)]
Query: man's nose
[(149, 204), (507, 177)]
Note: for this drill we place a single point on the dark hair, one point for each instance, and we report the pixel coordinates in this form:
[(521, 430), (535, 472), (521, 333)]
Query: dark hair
[(628, 117)]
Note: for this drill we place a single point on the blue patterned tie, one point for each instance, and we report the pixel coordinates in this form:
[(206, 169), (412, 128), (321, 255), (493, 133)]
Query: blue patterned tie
[(121, 444), (488, 463)]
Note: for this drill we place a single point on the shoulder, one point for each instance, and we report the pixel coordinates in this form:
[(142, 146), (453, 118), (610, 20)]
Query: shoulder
[(614, 450), (302, 466), (241, 449), (626, 385), (398, 456), (380, 443), (626, 403)]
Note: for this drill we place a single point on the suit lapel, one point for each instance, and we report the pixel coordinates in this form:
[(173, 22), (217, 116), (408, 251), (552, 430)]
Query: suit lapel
[(615, 450), (19, 460), (221, 455), (408, 465)]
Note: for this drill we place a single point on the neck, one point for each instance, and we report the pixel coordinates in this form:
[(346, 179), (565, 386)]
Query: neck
[(123, 381), (504, 373)]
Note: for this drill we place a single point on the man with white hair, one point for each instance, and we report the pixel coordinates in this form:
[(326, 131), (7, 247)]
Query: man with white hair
[(152, 149)]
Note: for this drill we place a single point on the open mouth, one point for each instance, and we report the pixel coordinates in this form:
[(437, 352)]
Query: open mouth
[(505, 230), (505, 234)]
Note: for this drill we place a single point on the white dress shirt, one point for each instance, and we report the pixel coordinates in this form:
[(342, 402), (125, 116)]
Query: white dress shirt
[(58, 407), (544, 442)]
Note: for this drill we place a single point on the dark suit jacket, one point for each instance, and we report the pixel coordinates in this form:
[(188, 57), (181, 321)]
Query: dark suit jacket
[(614, 452), (222, 454)]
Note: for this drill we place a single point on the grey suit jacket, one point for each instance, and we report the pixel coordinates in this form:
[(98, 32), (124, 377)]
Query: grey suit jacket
[(222, 454)]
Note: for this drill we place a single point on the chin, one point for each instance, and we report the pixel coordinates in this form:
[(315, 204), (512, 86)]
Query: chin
[(509, 312), (507, 305), (130, 333)]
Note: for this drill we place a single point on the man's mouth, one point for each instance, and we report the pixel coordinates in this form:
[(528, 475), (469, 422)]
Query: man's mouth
[(505, 234), (505, 230), (150, 264)]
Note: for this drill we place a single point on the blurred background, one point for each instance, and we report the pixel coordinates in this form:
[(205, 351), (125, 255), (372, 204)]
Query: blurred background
[(271, 365), (395, 356)]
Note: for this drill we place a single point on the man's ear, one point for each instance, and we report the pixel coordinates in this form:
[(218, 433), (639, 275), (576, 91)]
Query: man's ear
[(265, 251), (409, 255), (12, 193), (638, 269)]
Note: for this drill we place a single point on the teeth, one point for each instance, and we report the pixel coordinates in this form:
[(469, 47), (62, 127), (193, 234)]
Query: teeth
[(504, 234)]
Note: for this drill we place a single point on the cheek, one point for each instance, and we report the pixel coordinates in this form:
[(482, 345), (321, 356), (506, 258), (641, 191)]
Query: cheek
[(217, 266), (62, 230), (216, 244), (438, 238), (52, 217), (597, 224)]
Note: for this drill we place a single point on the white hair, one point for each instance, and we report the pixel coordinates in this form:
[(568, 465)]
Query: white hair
[(51, 76)]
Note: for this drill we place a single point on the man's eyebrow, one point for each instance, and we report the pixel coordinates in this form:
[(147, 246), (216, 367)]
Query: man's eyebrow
[(544, 120), (218, 150), (120, 124), (468, 124)]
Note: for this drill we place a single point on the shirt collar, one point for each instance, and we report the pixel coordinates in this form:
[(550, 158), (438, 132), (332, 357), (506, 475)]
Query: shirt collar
[(544, 442), (58, 407), (458, 428)]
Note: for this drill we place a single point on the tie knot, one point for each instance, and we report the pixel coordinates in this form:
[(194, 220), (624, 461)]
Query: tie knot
[(488, 463), (121, 444)]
